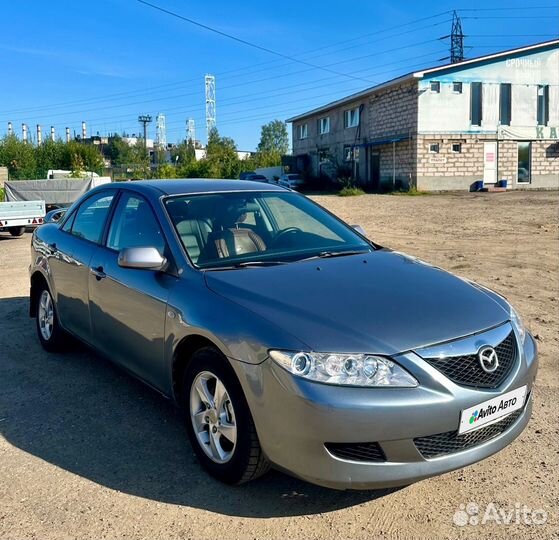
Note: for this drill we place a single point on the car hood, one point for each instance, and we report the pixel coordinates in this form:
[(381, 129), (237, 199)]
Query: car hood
[(382, 302)]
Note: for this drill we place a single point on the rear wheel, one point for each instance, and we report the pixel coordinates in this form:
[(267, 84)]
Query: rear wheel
[(16, 231), (51, 335), (219, 423)]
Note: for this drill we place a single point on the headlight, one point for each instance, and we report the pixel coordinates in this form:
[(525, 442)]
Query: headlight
[(518, 324), (344, 369)]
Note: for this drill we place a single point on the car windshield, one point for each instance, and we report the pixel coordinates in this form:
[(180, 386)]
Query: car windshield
[(238, 229)]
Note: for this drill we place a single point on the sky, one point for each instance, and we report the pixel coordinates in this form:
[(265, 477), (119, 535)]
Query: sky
[(107, 61)]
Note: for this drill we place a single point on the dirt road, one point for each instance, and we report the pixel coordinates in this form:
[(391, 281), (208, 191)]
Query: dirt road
[(88, 452)]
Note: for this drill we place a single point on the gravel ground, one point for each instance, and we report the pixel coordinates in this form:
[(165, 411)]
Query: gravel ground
[(86, 451)]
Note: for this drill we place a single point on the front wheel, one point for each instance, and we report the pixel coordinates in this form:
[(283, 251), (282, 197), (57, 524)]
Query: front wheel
[(219, 423), (16, 231), (51, 335)]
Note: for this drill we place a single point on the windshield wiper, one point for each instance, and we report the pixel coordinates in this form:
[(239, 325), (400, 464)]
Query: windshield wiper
[(247, 264), (330, 254)]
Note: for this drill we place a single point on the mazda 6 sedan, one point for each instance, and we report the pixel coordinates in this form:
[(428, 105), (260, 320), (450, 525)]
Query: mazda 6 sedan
[(286, 337)]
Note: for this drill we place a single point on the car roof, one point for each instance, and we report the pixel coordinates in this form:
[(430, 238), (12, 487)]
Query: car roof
[(193, 185)]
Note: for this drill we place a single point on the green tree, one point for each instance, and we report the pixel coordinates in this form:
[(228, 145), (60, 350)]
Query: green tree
[(221, 156), (50, 155), (183, 153), (274, 138), (82, 157), (19, 157)]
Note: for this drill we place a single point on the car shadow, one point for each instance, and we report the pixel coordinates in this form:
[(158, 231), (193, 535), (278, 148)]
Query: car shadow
[(81, 413)]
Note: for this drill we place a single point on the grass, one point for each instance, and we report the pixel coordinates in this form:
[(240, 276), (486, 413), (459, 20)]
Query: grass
[(412, 192), (350, 192), (1, 194)]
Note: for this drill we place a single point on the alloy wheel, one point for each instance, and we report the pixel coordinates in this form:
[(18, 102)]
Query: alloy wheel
[(213, 417), (46, 315)]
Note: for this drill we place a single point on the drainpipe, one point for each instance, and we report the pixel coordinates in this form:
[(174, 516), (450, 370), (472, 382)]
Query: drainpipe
[(393, 166)]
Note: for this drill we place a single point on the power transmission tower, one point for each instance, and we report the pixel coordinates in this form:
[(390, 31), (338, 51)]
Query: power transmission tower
[(456, 40), (210, 103), (145, 119), (190, 130), (161, 131)]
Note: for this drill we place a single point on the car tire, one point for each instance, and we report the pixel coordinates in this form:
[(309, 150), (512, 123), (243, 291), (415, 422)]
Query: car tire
[(211, 422), (51, 335), (16, 231)]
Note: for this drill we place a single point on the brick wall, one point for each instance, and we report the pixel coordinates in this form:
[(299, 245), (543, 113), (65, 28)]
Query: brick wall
[(449, 170), (393, 111)]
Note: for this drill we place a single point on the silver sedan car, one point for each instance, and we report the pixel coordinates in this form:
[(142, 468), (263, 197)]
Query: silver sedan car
[(286, 337)]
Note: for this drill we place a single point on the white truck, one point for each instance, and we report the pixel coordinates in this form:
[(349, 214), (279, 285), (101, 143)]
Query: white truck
[(16, 216)]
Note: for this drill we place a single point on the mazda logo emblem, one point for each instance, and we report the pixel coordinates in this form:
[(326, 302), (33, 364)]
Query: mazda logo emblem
[(488, 359)]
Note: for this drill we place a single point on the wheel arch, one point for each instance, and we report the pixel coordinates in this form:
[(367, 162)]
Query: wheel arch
[(38, 282), (182, 356)]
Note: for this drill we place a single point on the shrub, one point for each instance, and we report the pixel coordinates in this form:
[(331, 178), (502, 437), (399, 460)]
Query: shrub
[(350, 192)]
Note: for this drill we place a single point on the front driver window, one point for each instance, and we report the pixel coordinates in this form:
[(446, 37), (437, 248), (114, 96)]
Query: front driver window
[(135, 225), (91, 216)]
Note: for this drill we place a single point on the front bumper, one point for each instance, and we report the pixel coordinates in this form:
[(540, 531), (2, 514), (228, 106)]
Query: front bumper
[(295, 417)]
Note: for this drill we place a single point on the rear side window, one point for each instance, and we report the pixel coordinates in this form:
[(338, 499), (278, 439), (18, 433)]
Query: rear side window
[(90, 218)]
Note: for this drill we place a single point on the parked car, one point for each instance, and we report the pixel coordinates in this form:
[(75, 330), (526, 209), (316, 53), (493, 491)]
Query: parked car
[(244, 174), (286, 337), (291, 181), (256, 178)]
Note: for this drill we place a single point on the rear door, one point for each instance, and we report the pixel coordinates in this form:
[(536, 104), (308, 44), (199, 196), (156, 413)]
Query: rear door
[(70, 255), (128, 305)]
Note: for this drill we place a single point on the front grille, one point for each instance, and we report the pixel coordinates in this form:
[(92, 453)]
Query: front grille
[(357, 451), (466, 370), (450, 442)]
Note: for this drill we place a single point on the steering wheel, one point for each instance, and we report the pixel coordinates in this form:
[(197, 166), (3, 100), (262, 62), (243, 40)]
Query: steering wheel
[(284, 232)]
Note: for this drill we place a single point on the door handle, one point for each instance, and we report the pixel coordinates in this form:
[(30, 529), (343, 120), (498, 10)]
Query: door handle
[(98, 273)]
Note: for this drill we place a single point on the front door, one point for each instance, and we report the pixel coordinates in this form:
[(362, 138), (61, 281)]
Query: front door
[(128, 305), (69, 260), (490, 162), (375, 171)]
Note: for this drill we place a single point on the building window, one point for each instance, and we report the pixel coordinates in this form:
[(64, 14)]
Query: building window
[(324, 125), (543, 105), (351, 153), (323, 155), (351, 118), (435, 87), (524, 162), (505, 104), (476, 104), (434, 148), (457, 148), (303, 131), (457, 87)]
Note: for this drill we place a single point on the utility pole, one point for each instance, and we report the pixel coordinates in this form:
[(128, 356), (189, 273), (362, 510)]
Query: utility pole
[(210, 103), (456, 40), (145, 119)]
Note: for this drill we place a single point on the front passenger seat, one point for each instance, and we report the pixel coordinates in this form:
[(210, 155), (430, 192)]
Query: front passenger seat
[(194, 235)]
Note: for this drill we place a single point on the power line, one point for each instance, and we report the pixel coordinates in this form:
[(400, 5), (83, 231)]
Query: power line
[(245, 42), (124, 95), (158, 100)]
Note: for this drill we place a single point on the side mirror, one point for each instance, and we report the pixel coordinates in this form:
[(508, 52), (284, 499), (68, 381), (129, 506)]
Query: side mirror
[(360, 230), (146, 258), (54, 215)]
